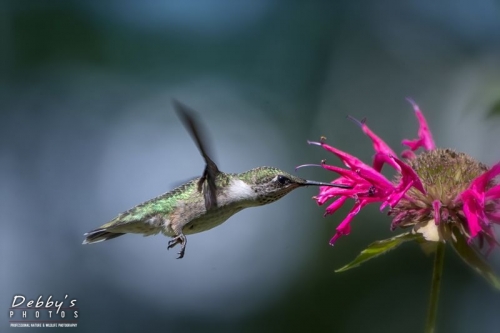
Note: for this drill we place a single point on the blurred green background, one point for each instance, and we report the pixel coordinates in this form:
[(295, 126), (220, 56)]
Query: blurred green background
[(87, 131)]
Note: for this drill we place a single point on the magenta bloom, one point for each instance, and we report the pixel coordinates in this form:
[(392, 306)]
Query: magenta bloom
[(437, 192)]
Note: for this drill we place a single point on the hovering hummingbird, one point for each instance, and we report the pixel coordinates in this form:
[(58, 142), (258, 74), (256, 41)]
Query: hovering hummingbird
[(204, 202)]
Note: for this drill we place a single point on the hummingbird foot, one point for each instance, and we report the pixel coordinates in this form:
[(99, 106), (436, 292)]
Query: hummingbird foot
[(178, 239)]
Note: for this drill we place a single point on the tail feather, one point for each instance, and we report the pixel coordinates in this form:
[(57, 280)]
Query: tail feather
[(99, 235)]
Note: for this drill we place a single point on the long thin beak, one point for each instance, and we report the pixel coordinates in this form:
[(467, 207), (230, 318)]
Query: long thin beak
[(314, 183)]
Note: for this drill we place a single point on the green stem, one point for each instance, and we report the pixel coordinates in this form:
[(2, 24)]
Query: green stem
[(436, 282)]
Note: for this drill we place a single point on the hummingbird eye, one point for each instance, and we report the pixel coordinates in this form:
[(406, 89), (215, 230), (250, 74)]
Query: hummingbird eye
[(283, 180)]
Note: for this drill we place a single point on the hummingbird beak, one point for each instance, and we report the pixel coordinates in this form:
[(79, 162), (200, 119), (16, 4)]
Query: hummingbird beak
[(314, 183)]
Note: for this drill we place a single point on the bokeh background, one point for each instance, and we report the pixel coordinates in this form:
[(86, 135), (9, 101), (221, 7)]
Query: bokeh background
[(87, 131)]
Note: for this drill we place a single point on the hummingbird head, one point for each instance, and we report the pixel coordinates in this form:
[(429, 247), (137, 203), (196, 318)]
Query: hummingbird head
[(270, 184)]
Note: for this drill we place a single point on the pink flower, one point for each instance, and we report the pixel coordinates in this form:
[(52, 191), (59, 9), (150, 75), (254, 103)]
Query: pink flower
[(433, 191)]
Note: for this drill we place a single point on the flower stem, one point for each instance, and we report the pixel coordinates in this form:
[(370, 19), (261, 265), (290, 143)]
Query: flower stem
[(436, 282)]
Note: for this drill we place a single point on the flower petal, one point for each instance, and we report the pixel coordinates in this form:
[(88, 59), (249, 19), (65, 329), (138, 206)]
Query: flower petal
[(334, 206), (472, 212), (396, 196), (345, 173), (436, 205), (379, 145), (474, 200), (479, 183), (363, 170), (344, 227), (408, 154), (409, 175), (425, 139), (493, 193)]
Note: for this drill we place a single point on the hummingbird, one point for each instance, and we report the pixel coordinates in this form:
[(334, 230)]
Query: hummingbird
[(204, 202)]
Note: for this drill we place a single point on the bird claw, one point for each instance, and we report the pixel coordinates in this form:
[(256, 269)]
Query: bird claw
[(178, 239), (173, 242)]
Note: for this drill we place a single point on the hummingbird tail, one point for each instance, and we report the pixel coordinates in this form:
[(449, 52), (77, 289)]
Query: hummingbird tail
[(99, 235)]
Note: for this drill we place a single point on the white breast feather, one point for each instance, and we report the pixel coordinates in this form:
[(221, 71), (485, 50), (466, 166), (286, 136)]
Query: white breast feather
[(238, 189)]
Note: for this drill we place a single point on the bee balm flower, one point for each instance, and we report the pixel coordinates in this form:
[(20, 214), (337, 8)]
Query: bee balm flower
[(441, 193)]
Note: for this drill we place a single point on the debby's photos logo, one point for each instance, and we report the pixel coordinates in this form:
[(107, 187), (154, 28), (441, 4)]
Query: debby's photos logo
[(43, 312)]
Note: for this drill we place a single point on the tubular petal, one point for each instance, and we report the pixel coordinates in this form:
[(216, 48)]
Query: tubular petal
[(474, 200), (407, 172), (379, 145), (409, 175), (479, 184), (470, 211), (424, 134), (378, 163), (334, 206), (346, 173), (344, 227), (398, 195), (493, 193), (408, 154), (363, 170), (436, 204)]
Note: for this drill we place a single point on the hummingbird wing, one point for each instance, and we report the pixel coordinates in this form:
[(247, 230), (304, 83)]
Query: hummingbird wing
[(211, 171)]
